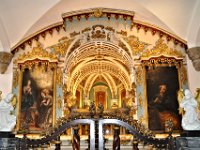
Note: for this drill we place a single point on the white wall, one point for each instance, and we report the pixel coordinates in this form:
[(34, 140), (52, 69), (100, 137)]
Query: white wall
[(193, 76), (6, 81)]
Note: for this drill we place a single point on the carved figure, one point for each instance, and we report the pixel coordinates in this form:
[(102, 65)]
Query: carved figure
[(100, 109), (190, 119), (92, 109), (7, 120)]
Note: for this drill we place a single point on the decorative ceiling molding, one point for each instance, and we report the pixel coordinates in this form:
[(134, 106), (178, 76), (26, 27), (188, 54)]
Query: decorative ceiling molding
[(35, 36), (96, 12), (156, 30)]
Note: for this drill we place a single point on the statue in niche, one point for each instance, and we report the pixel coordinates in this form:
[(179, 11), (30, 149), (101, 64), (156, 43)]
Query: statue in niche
[(7, 120), (190, 120)]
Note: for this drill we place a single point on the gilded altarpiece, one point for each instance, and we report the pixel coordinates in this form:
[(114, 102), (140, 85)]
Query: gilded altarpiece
[(36, 91), (161, 75)]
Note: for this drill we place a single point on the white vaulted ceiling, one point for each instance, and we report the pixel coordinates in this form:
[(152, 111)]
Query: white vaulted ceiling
[(21, 18)]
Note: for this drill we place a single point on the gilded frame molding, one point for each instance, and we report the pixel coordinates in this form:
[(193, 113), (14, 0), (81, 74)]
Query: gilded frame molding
[(37, 57), (158, 61)]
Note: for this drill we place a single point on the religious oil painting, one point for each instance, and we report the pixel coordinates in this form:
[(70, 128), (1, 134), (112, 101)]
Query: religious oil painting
[(36, 105), (162, 87), (100, 97)]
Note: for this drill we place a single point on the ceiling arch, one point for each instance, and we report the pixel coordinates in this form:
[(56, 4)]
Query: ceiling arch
[(95, 49), (108, 78), (99, 68)]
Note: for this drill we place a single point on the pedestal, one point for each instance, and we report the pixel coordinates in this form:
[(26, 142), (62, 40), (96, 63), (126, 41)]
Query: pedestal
[(193, 133), (189, 140), (7, 135), (8, 140)]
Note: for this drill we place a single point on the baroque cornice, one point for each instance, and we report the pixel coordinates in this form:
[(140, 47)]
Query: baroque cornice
[(37, 53), (155, 29), (86, 13), (161, 49), (97, 12), (35, 36)]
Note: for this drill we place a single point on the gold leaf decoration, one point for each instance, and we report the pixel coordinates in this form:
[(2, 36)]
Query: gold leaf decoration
[(139, 75), (59, 102), (123, 33), (15, 77), (136, 45), (73, 34), (59, 77), (37, 53), (62, 46), (86, 30), (141, 119), (140, 100), (183, 75), (162, 48), (110, 29), (98, 13)]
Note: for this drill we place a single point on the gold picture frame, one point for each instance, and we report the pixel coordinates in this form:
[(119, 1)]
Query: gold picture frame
[(161, 74), (36, 109)]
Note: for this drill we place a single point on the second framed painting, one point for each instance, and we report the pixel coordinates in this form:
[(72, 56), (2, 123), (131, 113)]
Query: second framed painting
[(36, 99), (162, 85)]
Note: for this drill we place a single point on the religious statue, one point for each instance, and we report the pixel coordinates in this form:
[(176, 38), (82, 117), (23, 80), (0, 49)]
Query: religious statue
[(7, 120), (92, 109), (100, 109), (190, 119)]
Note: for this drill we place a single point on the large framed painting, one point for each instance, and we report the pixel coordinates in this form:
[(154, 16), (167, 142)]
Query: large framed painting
[(36, 110), (162, 85), (36, 104)]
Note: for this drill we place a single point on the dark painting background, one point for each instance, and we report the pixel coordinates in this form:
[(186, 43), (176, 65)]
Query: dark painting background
[(154, 78), (38, 116)]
